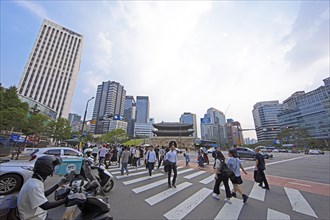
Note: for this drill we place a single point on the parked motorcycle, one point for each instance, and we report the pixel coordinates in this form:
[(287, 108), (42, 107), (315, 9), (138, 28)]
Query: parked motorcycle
[(86, 196), (90, 172)]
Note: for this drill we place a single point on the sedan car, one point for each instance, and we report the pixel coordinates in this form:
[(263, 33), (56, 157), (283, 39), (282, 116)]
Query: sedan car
[(314, 152), (267, 155), (13, 174), (245, 152), (63, 152)]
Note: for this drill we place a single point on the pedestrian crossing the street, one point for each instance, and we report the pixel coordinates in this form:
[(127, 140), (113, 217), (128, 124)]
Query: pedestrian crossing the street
[(140, 182)]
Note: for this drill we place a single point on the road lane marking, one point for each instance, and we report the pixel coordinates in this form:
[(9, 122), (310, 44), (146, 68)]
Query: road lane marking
[(257, 192), (298, 202), (194, 174), (276, 162), (184, 171), (300, 184), (180, 211), (275, 215), (132, 174), (231, 211), (142, 179), (149, 186), (207, 180), (118, 172), (167, 193)]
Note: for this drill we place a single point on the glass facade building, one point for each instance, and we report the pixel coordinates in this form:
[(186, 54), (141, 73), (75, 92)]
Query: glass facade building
[(109, 101), (129, 114), (309, 111), (190, 118), (142, 109), (266, 121), (213, 127)]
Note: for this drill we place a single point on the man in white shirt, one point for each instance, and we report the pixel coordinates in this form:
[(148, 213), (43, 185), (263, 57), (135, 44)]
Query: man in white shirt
[(151, 159), (170, 159), (32, 202)]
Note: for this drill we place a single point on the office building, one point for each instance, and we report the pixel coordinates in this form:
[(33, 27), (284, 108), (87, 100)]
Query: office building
[(266, 121), (143, 130), (50, 74), (130, 114), (117, 124), (75, 121), (142, 109), (109, 102), (308, 111), (213, 127), (190, 118), (234, 133)]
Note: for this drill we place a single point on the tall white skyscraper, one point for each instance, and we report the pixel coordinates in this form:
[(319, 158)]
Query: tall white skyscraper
[(50, 74)]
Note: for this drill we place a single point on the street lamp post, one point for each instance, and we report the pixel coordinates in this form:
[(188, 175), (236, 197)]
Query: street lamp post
[(83, 123)]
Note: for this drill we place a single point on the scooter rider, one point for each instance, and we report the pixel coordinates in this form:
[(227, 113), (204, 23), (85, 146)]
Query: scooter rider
[(32, 202)]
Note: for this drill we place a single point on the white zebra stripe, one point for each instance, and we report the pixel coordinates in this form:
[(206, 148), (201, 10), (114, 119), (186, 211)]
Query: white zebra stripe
[(149, 186), (142, 179), (275, 215), (194, 174), (167, 193), (257, 192), (132, 174), (230, 211), (183, 209), (207, 180), (298, 202), (132, 169)]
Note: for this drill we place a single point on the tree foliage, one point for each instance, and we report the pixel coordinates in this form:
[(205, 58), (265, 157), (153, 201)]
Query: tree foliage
[(12, 110), (59, 130), (115, 136)]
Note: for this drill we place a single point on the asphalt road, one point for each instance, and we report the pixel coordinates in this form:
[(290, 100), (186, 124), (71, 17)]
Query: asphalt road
[(300, 189)]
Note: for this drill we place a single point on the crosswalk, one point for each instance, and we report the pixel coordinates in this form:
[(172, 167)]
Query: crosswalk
[(205, 181)]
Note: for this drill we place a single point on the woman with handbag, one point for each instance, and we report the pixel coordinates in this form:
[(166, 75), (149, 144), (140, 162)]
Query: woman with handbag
[(220, 177), (235, 165)]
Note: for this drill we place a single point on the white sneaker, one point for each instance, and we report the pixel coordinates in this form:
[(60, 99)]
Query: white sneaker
[(227, 200), (215, 196)]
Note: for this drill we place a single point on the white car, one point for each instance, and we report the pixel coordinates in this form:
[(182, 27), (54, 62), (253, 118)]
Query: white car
[(13, 174), (314, 152), (63, 152)]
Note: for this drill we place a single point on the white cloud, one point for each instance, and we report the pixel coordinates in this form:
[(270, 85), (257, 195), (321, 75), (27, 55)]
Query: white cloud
[(34, 8)]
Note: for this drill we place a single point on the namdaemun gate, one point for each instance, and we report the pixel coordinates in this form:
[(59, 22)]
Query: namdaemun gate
[(180, 133)]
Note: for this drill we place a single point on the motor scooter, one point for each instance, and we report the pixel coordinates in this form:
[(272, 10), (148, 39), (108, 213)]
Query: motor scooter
[(90, 172), (91, 204)]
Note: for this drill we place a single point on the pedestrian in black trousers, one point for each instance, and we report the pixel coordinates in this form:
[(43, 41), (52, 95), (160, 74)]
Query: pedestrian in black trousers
[(220, 178), (170, 159), (261, 167)]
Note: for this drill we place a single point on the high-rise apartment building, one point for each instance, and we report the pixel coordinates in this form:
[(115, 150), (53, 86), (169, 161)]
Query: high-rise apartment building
[(50, 74), (109, 101), (266, 121), (309, 111), (142, 109), (213, 127), (129, 114), (190, 118)]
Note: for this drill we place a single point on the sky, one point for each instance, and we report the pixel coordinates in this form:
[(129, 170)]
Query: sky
[(186, 56)]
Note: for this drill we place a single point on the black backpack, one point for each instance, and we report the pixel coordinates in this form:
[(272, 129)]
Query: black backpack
[(214, 154), (225, 171)]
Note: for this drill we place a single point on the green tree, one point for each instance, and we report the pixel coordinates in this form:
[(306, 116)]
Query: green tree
[(59, 130), (285, 135), (115, 136), (12, 110)]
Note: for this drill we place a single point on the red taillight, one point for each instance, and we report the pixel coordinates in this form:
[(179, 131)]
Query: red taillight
[(33, 157)]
